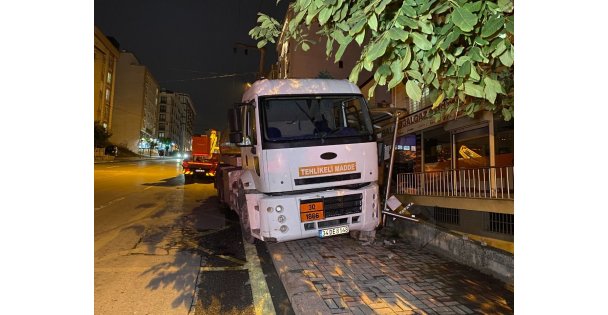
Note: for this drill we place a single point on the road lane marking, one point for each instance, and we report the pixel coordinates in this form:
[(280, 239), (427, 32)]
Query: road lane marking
[(262, 301), (109, 203)]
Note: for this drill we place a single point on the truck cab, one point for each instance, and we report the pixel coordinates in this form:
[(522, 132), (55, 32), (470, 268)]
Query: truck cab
[(308, 160)]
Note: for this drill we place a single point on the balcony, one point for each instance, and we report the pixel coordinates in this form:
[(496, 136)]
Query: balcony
[(481, 189)]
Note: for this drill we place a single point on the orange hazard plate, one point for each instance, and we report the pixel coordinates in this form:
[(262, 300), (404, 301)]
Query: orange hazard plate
[(312, 206), (312, 216)]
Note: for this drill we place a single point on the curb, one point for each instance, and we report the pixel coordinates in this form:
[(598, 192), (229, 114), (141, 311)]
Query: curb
[(302, 294)]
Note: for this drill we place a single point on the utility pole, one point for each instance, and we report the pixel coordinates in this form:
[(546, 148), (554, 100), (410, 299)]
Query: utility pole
[(262, 53)]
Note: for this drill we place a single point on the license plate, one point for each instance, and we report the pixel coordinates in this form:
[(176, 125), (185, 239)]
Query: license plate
[(312, 216), (333, 231), (199, 171)]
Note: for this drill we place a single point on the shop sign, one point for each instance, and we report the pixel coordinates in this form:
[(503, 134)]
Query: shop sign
[(417, 121)]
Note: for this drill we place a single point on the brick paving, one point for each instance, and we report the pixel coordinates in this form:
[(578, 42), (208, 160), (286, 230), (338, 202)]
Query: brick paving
[(339, 275)]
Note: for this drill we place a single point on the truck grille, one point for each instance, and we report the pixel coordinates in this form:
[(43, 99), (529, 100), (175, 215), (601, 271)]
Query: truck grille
[(340, 205)]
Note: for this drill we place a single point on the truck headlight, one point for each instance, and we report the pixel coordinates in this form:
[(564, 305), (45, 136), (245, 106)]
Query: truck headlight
[(281, 218), (279, 208), (283, 228)]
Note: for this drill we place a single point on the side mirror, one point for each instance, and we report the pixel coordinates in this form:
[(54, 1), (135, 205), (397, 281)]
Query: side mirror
[(234, 121)]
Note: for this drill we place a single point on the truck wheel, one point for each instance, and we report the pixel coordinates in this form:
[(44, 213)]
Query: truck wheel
[(244, 216)]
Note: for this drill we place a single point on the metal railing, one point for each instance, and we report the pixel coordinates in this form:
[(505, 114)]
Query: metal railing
[(488, 183)]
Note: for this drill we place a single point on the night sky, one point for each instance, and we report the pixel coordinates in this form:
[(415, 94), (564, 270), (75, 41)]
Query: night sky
[(188, 46)]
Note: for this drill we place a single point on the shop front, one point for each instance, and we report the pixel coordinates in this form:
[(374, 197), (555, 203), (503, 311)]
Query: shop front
[(459, 156)]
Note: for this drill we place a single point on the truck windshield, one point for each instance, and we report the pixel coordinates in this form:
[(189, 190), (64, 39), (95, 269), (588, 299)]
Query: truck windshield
[(306, 117)]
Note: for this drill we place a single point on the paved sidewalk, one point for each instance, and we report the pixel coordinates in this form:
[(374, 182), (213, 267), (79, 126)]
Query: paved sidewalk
[(340, 275)]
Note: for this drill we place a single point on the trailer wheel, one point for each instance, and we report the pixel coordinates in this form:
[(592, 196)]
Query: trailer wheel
[(244, 216)]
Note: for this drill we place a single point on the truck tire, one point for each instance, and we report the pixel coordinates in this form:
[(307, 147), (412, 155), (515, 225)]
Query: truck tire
[(244, 216)]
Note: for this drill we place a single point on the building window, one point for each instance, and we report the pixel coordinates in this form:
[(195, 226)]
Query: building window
[(161, 126), (163, 99), (446, 215), (161, 117), (500, 223), (437, 150), (161, 134), (163, 108), (503, 139), (109, 77), (473, 149), (107, 95)]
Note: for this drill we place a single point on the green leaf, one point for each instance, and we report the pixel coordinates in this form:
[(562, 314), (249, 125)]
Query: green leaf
[(305, 46), (420, 41), (415, 74), (397, 74), (464, 19), (464, 70), (357, 27), (505, 5), (475, 54), (406, 21), (373, 22), (489, 92), (473, 89), (397, 34), (480, 41), (425, 7), (510, 25), (507, 58), (312, 12), (406, 58), (436, 63), (379, 8), (428, 77), (329, 46), (500, 48), (474, 75), (340, 38), (324, 15), (384, 70), (473, 7), (360, 37), (413, 90), (340, 51), (262, 43), (507, 114), (408, 10), (454, 34), (377, 49), (425, 27), (368, 65), (354, 73), (492, 26)]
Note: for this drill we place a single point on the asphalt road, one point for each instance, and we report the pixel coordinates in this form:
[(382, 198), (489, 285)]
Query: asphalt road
[(164, 247)]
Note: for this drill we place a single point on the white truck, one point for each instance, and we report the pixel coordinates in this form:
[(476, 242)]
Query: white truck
[(307, 163)]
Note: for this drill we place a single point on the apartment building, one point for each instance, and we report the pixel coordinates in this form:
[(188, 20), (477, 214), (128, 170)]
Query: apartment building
[(175, 119), (106, 58), (136, 105)]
